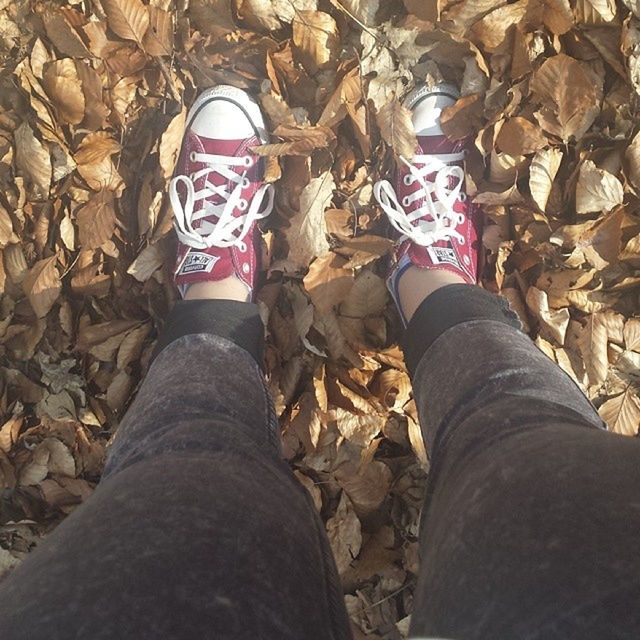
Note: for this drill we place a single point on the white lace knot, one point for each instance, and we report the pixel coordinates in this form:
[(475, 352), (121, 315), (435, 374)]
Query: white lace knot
[(218, 227), (435, 219)]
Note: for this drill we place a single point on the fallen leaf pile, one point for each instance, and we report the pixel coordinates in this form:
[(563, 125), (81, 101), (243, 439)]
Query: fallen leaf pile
[(93, 99)]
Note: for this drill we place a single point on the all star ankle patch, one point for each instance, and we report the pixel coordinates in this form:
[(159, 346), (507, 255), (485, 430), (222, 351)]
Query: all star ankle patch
[(441, 255), (198, 262)]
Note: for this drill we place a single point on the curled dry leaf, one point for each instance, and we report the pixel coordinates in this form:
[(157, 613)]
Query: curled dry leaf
[(542, 173), (463, 118), (554, 323), (315, 39), (593, 344), (50, 456), (42, 285), (307, 234), (396, 127), (597, 189), (170, 143), (148, 261)]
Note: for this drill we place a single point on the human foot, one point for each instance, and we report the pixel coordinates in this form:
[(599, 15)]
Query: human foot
[(427, 205), (218, 195)]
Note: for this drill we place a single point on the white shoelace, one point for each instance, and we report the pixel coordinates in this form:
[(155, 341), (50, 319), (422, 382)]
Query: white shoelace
[(227, 230), (435, 220)]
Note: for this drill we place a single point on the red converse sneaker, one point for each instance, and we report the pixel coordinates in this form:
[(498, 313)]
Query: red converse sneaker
[(218, 194), (428, 204)]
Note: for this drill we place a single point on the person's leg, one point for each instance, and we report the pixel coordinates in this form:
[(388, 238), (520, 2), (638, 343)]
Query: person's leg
[(198, 528), (532, 512), (530, 524)]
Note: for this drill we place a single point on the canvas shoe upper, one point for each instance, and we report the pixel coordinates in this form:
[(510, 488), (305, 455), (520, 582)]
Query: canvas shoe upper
[(218, 193), (427, 203)]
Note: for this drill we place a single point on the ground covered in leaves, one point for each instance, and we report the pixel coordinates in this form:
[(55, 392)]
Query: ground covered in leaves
[(93, 97)]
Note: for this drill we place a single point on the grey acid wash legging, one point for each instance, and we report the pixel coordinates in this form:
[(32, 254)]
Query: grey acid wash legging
[(198, 529)]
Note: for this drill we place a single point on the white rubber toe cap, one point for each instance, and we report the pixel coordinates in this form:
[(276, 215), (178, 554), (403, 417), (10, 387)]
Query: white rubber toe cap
[(427, 103), (226, 113)]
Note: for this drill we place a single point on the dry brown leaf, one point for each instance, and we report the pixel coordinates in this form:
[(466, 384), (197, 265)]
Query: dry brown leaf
[(425, 10), (328, 282), (158, 40), (569, 94), (33, 160), (315, 39), (463, 118), (632, 156), (368, 296), (491, 31), (632, 334), (357, 428), (96, 220), (95, 164), (597, 189), (396, 127), (542, 173), (307, 234), (63, 34), (594, 11), (119, 391), (519, 137), (42, 285), (259, 14), (63, 86), (344, 533), (7, 235), (366, 487), (622, 413), (593, 344), (557, 16), (171, 142), (553, 323), (127, 18), (50, 456), (363, 11), (148, 261)]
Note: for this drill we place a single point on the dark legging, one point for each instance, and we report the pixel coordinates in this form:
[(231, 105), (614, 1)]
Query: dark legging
[(199, 530)]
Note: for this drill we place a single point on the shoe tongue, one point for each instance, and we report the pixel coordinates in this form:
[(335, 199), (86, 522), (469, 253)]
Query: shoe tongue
[(439, 144)]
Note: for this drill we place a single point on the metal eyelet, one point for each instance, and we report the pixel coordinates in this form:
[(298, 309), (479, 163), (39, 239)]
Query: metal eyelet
[(463, 197), (246, 183), (245, 267), (243, 204), (405, 201), (192, 156), (408, 180), (248, 161)]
